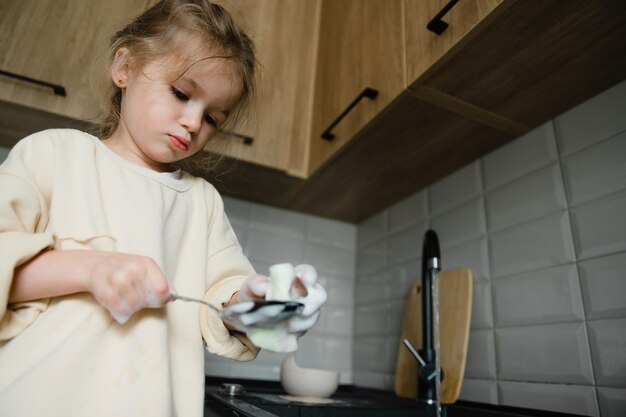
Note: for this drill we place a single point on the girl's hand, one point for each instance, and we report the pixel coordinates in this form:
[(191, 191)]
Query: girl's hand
[(304, 289), (253, 288), (311, 294), (124, 284)]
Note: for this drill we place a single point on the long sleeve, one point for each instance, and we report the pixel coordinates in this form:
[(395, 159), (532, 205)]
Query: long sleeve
[(227, 268), (23, 219)]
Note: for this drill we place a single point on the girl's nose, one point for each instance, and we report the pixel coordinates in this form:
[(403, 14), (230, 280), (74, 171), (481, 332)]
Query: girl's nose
[(191, 120)]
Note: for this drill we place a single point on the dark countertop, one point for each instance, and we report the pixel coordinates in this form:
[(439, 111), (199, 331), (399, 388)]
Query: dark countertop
[(263, 399)]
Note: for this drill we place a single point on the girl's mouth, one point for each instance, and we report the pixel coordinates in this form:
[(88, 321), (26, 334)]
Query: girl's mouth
[(179, 143)]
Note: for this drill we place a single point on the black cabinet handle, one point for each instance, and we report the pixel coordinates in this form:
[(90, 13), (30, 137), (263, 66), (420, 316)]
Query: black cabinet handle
[(367, 93), (437, 25), (247, 140), (58, 90)]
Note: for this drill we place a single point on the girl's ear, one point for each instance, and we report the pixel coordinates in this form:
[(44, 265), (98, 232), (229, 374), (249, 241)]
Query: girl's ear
[(120, 70)]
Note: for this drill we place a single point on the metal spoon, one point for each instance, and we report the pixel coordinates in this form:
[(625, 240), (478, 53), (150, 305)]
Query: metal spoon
[(251, 314)]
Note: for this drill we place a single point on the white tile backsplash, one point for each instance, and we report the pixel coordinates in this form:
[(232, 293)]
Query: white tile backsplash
[(372, 289), (482, 306), (479, 390), (330, 232), (461, 224), (371, 258), (595, 120), (612, 401), (376, 380), (556, 353), (382, 319), (549, 295), (340, 291), (4, 152), (329, 259), (409, 211), (373, 229), (238, 211), (376, 354), (472, 255), (401, 277), (537, 244), (603, 283), (520, 157), (273, 248), (608, 348), (277, 221), (527, 198), (335, 321), (574, 399), (456, 189), (599, 226), (405, 245), (481, 355), (597, 170)]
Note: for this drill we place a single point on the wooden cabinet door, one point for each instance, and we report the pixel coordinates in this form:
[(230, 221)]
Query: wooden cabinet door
[(56, 41), (423, 47), (360, 45), (284, 33)]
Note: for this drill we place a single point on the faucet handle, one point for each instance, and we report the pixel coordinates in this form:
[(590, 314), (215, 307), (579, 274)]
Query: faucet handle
[(414, 352), (427, 372)]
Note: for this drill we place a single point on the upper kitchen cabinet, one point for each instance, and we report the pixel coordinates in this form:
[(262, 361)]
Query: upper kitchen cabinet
[(535, 59), (360, 46), (285, 34), (433, 27), (55, 42)]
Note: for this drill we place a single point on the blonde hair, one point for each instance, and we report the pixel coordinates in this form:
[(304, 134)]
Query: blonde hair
[(172, 26)]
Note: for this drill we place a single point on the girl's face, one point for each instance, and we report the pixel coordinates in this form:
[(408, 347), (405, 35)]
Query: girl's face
[(164, 119)]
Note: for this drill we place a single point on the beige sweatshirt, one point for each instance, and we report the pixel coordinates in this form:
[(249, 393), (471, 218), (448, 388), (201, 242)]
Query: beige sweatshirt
[(66, 356)]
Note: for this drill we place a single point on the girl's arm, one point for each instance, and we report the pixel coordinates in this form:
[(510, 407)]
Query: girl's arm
[(122, 283)]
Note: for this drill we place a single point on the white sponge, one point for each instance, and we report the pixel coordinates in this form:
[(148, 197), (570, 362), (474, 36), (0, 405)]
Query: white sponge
[(280, 280), (277, 338)]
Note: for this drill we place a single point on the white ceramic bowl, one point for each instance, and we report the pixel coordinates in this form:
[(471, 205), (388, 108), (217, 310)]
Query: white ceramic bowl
[(307, 382)]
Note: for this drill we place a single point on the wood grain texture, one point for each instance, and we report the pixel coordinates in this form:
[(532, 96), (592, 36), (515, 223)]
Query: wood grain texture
[(538, 59), (425, 48), (285, 36), (360, 45), (57, 41), (472, 112), (455, 309)]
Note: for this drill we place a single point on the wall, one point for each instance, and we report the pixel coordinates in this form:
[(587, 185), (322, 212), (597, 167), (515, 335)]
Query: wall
[(541, 222), (270, 236), (3, 153)]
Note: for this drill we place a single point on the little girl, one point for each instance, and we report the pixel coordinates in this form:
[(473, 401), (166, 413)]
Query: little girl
[(96, 234)]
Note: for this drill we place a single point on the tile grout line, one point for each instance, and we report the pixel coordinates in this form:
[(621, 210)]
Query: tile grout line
[(557, 136), (490, 278)]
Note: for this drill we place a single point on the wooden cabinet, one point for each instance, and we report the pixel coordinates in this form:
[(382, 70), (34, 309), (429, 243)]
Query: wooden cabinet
[(425, 48), (383, 45), (56, 41), (284, 33), (360, 45)]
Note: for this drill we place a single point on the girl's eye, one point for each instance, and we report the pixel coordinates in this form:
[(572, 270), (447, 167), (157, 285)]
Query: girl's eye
[(179, 94), (210, 120), (184, 97)]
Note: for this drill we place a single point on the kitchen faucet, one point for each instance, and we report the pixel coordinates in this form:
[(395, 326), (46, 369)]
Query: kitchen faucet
[(428, 379)]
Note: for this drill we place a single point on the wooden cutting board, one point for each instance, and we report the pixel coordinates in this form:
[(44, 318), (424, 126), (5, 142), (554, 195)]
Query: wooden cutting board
[(455, 310)]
